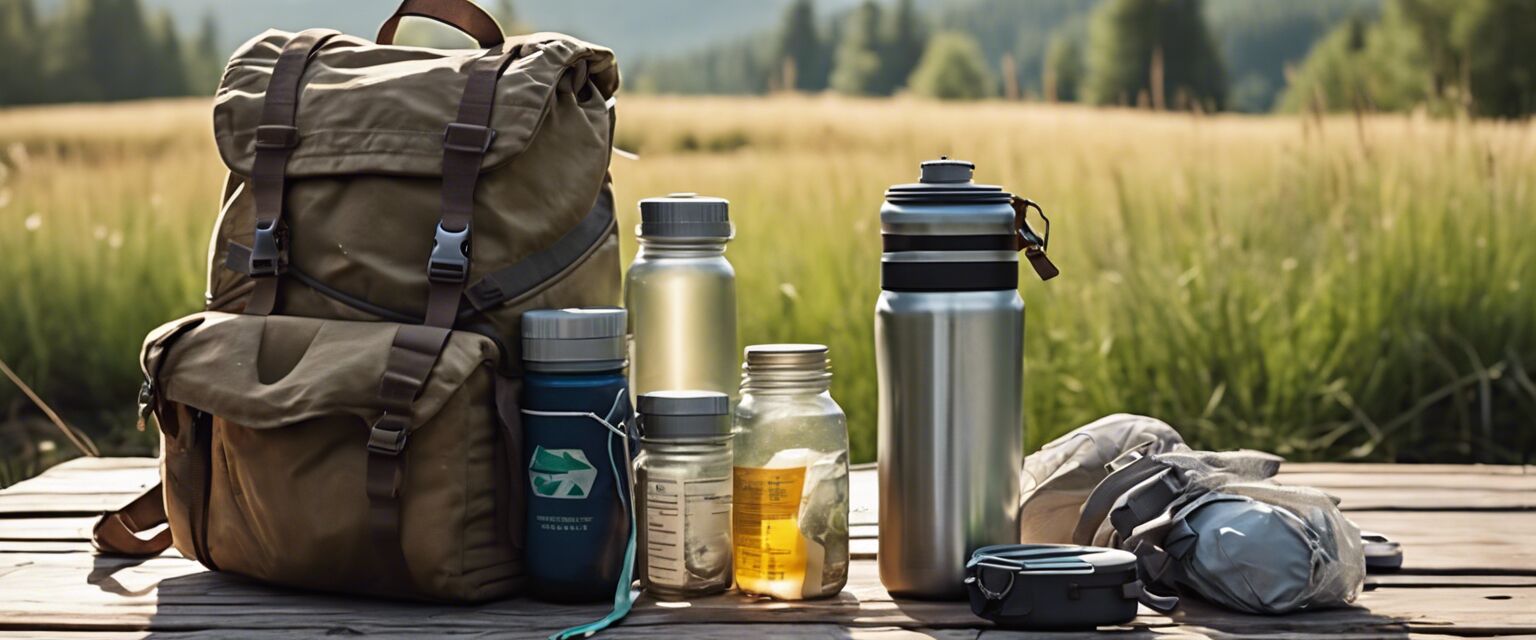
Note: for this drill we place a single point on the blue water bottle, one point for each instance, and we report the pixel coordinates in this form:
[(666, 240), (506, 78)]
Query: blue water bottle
[(576, 416)]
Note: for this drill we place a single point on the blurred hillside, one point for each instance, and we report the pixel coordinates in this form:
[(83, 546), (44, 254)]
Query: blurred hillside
[(1447, 56), (1257, 40), (645, 28)]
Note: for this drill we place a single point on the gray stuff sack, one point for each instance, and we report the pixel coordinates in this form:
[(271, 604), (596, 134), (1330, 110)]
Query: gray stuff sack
[(1211, 524), (1058, 478)]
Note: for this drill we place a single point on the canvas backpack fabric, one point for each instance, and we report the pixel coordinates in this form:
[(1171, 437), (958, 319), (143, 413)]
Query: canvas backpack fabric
[(1210, 524), (344, 414)]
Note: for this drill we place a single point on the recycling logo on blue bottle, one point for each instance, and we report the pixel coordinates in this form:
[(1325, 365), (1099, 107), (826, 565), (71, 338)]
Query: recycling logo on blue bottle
[(561, 473)]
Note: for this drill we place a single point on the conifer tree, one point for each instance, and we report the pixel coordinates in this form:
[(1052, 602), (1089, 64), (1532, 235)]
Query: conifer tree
[(903, 48), (1063, 69), (1156, 48), (170, 67), (857, 65), (800, 52), (953, 68), (19, 71), (205, 61)]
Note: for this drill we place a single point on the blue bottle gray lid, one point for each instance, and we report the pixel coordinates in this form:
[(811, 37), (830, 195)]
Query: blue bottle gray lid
[(586, 339)]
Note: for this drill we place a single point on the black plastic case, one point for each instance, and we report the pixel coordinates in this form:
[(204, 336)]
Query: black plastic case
[(1048, 586)]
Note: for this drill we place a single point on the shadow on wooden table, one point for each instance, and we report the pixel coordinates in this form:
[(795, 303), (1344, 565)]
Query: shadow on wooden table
[(172, 597), (1353, 621), (1196, 618), (181, 598)]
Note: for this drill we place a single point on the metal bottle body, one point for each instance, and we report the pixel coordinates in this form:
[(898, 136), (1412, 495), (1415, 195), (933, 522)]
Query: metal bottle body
[(949, 336), (681, 297), (950, 433)]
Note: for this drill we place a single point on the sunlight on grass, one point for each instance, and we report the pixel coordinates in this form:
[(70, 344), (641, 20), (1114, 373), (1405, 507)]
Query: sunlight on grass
[(1339, 288)]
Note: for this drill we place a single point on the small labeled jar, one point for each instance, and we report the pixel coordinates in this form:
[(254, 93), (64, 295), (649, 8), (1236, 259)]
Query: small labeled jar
[(683, 474), (790, 481)]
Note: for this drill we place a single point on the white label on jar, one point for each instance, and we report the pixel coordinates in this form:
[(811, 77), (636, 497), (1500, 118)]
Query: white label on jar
[(674, 508)]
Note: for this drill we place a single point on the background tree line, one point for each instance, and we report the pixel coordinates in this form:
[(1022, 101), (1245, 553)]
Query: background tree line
[(1465, 56), (1447, 56), (102, 50), (97, 50)]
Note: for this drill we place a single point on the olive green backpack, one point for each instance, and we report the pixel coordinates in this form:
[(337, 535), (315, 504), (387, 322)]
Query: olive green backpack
[(344, 414)]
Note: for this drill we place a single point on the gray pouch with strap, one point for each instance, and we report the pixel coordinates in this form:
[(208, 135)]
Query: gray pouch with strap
[(1061, 475), (1216, 525)]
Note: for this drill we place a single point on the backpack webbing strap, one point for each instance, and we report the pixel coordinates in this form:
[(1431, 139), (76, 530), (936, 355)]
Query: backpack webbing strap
[(276, 137), (1102, 500), (503, 285), (416, 347), (465, 143), (411, 357), (117, 532)]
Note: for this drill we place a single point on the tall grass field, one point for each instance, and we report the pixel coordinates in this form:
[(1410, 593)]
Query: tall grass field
[(1352, 287)]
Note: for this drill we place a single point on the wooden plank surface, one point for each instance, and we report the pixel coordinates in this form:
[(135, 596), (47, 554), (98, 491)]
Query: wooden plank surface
[(82, 486), (77, 591), (1470, 570)]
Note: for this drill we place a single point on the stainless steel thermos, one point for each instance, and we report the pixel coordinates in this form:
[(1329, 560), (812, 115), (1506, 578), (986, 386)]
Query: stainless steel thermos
[(949, 334)]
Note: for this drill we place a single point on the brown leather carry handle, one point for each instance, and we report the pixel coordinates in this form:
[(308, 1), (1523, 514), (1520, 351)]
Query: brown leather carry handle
[(463, 15), (116, 533)]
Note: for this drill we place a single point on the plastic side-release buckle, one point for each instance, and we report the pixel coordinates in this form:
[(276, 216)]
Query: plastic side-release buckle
[(277, 136), (450, 255), (385, 439), (267, 257), (468, 138)]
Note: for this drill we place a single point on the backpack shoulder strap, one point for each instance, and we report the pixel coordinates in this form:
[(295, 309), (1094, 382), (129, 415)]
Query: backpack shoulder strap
[(117, 532), (276, 137), (465, 143)]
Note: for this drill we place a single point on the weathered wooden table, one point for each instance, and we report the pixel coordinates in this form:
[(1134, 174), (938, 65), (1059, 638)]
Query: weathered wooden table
[(1469, 535)]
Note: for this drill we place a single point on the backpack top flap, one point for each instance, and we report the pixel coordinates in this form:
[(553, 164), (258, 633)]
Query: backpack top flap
[(308, 368), (365, 108)]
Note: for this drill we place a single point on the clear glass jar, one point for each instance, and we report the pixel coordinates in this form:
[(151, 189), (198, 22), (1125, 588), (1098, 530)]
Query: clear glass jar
[(790, 516), (683, 494)]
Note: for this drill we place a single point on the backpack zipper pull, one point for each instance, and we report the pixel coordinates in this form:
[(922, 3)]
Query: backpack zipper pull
[(146, 401)]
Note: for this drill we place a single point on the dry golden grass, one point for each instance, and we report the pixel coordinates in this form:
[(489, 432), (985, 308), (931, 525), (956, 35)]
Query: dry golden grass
[(1339, 287)]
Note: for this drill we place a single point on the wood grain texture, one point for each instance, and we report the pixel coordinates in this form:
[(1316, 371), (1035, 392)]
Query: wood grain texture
[(1470, 571), (82, 486)]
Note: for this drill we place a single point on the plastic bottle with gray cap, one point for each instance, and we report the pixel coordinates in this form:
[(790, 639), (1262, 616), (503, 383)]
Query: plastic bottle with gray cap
[(575, 442), (681, 295)]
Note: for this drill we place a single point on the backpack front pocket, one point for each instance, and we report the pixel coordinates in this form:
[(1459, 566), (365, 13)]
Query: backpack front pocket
[(287, 405)]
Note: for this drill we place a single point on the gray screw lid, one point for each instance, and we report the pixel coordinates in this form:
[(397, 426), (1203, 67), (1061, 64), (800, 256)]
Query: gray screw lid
[(946, 170), (681, 415), (946, 181), (685, 215), (588, 339)]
